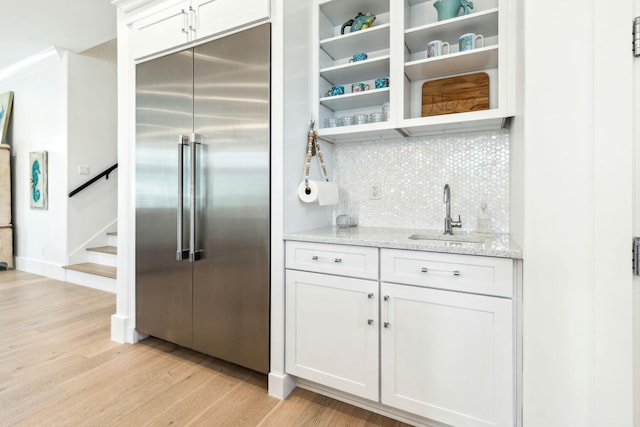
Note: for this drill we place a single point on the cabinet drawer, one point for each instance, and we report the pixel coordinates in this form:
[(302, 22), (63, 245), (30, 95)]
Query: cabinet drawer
[(465, 273), (355, 261)]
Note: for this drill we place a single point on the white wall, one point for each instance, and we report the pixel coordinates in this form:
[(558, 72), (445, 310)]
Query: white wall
[(64, 103), (577, 215), (297, 109), (39, 122), (92, 141)]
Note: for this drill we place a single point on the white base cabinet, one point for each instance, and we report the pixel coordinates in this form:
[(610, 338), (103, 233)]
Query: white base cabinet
[(332, 331), (447, 356), (432, 337)]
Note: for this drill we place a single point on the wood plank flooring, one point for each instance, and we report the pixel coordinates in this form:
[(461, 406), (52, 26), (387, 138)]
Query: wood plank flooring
[(58, 367)]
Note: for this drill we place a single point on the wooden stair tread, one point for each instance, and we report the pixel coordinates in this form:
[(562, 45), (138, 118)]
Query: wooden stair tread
[(105, 249), (93, 268)]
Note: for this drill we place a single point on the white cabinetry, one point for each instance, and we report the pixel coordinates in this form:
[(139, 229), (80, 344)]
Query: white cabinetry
[(397, 48), (181, 22), (332, 321), (443, 325), (332, 331), (447, 356)]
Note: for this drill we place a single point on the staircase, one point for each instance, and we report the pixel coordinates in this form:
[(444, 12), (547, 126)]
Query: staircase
[(100, 269)]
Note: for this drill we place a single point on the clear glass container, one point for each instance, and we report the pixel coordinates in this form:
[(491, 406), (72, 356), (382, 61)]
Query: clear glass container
[(375, 117), (386, 111), (346, 121), (360, 119), (331, 122)]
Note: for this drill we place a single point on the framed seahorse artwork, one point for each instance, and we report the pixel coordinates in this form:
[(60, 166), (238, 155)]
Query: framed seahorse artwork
[(6, 101), (38, 172)]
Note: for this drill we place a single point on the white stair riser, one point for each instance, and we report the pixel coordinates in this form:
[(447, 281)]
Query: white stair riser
[(112, 240), (102, 258), (91, 280)]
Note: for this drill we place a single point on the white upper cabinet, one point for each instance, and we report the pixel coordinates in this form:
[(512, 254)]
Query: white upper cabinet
[(396, 46), (161, 30), (216, 16), (182, 22)]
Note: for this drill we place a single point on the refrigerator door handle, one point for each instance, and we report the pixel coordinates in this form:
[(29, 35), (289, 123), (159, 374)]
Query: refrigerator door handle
[(181, 253), (194, 254)]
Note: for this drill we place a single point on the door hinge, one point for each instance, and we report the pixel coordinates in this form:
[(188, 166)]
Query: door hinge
[(636, 36), (636, 256)]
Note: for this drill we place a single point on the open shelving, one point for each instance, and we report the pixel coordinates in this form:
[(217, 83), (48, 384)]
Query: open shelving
[(396, 45)]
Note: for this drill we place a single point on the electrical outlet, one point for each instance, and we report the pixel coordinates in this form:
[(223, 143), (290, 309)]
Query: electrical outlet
[(374, 192), (84, 170)]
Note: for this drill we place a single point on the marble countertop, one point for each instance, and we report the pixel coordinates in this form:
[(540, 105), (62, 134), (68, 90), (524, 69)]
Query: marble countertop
[(494, 245)]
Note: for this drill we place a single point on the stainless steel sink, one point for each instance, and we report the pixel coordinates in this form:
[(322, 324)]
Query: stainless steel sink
[(446, 240)]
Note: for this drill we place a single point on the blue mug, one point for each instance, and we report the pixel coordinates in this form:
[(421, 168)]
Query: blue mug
[(360, 56), (382, 82), (336, 90)]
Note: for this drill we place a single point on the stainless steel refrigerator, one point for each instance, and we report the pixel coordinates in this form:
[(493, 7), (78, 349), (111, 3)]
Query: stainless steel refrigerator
[(202, 197)]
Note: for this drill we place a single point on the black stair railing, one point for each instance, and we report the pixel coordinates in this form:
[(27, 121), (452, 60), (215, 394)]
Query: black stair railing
[(104, 173)]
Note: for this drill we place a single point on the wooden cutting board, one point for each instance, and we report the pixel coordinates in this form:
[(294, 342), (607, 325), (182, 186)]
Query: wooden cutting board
[(455, 94)]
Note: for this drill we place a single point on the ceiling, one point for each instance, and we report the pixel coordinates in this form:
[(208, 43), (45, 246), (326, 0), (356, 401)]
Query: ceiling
[(31, 26)]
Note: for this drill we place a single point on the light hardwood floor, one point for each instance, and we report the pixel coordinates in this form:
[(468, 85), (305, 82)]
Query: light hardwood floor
[(58, 367)]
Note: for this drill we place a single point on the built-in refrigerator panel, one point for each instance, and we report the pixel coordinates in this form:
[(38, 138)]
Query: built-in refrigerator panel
[(164, 110), (231, 278), (203, 130)]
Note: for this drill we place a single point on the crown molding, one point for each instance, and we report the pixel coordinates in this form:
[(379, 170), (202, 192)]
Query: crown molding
[(127, 6)]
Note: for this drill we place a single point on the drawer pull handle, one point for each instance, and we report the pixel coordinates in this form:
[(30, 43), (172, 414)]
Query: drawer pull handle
[(317, 258), (456, 273)]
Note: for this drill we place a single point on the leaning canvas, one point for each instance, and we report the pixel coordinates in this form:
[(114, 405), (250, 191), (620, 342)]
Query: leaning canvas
[(6, 101), (38, 187)]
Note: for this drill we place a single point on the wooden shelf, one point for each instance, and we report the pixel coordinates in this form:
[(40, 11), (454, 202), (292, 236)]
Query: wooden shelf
[(353, 133), (453, 123), (421, 126), (484, 22), (367, 40), (455, 63), (337, 12), (368, 98), (368, 69)]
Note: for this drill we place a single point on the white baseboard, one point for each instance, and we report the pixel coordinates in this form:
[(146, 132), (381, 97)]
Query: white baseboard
[(369, 405), (281, 385), (123, 332), (42, 268)]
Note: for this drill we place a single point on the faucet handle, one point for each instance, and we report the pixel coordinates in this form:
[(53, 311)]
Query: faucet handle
[(458, 223)]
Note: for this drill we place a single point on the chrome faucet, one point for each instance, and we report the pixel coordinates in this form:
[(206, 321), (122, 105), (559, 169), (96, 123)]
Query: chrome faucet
[(449, 224)]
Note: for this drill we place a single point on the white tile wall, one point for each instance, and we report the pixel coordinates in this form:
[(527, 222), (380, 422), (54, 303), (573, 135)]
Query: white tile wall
[(412, 172)]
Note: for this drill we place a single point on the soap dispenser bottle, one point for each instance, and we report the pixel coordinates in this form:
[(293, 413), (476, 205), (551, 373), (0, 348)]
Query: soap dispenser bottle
[(483, 221)]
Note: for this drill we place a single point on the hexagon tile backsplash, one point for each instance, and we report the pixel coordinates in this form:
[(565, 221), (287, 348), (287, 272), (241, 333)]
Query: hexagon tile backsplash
[(411, 174)]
